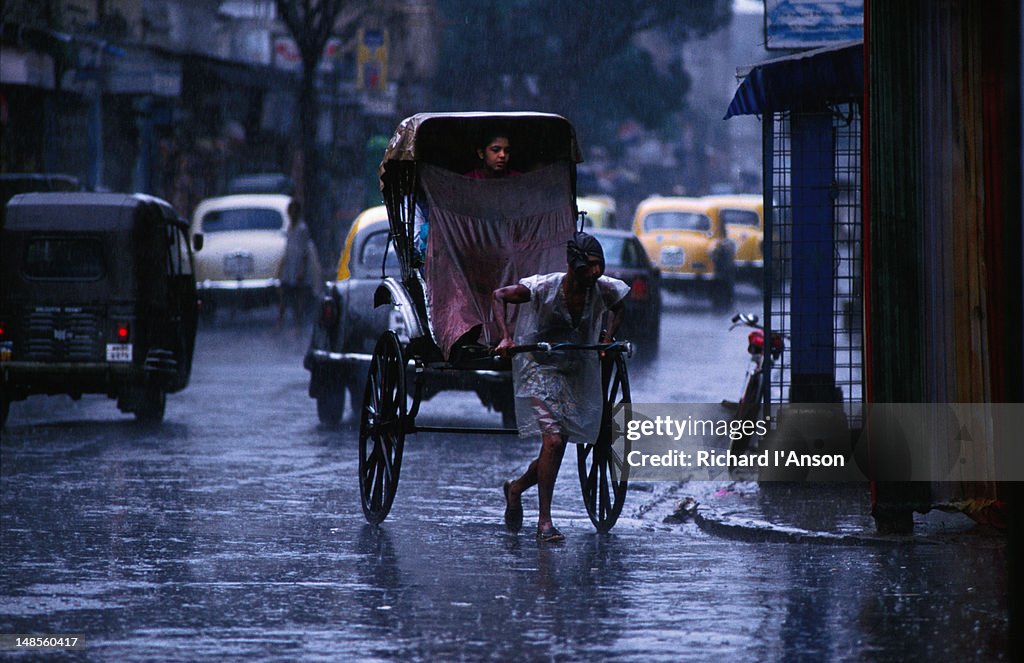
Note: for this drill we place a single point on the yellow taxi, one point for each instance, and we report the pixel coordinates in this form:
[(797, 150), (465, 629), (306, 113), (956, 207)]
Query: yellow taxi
[(600, 211), (348, 323), (371, 226), (687, 239), (743, 215)]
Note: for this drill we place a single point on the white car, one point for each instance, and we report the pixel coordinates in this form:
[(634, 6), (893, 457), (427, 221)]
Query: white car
[(244, 239)]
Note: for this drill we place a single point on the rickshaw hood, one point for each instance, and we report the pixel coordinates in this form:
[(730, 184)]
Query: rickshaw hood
[(430, 137)]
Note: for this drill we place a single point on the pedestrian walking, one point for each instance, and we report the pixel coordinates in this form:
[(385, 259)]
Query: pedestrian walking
[(299, 268)]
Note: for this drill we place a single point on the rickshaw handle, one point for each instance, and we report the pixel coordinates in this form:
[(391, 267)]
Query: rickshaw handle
[(614, 346)]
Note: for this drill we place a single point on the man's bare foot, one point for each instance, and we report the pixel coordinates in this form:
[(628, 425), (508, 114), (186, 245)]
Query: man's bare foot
[(549, 534), (513, 508)]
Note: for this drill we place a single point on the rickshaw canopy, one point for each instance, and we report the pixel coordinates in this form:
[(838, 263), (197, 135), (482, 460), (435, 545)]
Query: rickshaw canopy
[(449, 140)]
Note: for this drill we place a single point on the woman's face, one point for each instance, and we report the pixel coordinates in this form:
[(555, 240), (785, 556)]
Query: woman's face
[(495, 155)]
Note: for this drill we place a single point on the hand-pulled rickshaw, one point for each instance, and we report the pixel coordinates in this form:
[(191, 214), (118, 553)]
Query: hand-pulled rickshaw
[(482, 235)]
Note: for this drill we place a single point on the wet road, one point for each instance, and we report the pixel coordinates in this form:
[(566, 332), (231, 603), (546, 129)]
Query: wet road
[(234, 532)]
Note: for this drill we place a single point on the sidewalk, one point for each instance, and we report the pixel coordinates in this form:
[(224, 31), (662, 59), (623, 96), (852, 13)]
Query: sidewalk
[(828, 513)]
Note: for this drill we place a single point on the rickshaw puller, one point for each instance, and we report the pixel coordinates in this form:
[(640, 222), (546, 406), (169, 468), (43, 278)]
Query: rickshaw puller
[(558, 394)]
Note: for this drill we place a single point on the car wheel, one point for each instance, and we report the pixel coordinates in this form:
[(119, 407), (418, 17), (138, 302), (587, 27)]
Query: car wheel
[(151, 406), (646, 349), (329, 407)]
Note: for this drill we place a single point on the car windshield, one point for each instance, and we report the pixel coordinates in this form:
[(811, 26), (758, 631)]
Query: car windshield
[(373, 251), (740, 217), (242, 218), (78, 259), (621, 252), (676, 220)]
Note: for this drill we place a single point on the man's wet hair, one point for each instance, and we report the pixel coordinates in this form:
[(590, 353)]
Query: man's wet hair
[(580, 248)]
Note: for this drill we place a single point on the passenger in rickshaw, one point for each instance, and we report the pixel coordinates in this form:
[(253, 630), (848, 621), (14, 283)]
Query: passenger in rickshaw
[(494, 152), (558, 394)]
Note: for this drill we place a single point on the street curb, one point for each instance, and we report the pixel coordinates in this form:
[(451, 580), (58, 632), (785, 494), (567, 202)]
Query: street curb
[(753, 531)]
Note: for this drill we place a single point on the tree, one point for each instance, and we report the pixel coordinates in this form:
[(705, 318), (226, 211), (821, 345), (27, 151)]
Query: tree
[(580, 59), (311, 23)]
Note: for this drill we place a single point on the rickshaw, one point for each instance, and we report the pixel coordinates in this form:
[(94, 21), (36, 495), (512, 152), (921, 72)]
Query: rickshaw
[(482, 235)]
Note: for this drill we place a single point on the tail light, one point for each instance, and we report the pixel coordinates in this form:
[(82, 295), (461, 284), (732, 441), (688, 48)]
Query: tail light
[(3, 329), (639, 289), (122, 332), (755, 342), (328, 311)]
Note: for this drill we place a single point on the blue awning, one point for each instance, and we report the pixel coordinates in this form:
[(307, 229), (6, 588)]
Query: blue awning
[(805, 81)]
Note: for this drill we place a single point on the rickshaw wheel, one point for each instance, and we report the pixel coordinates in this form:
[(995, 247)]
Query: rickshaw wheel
[(382, 428), (603, 471)]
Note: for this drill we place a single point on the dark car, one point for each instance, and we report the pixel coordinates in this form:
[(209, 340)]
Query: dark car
[(626, 259), (11, 184), (97, 295), (349, 325)]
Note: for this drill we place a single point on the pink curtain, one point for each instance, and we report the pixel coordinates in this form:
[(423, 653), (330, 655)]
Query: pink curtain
[(485, 234)]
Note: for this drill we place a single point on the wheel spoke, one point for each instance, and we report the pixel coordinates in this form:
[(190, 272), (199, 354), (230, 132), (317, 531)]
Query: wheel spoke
[(377, 493), (371, 458), (375, 404), (605, 500), (613, 469), (613, 388), (592, 474), (618, 464), (587, 450), (386, 461)]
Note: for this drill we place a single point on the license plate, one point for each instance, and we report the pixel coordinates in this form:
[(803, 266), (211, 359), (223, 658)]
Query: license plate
[(119, 351), (239, 265), (6, 350), (672, 256)]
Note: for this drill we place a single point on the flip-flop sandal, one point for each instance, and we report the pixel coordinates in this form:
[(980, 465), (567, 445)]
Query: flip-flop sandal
[(513, 512), (550, 535)]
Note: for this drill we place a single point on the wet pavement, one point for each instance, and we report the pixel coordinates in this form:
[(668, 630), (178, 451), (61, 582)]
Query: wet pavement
[(233, 532)]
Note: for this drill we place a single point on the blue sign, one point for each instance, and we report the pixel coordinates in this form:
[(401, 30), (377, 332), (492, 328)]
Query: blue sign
[(795, 24)]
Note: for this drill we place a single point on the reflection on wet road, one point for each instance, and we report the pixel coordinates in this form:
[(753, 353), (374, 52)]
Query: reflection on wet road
[(234, 532)]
